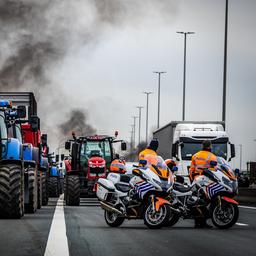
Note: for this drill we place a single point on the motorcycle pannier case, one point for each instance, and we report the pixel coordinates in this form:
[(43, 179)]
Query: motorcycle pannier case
[(104, 187)]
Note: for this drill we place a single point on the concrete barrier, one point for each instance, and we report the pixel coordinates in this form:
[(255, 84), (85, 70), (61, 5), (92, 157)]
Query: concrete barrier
[(246, 195)]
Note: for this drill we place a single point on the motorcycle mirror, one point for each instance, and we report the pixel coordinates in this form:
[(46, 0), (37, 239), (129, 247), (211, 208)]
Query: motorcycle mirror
[(143, 162), (174, 169), (213, 163), (136, 172)]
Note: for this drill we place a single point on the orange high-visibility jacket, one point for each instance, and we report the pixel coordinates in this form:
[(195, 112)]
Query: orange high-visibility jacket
[(201, 160)]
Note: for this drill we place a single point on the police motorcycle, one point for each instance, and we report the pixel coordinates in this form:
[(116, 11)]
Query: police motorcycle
[(137, 196), (210, 195)]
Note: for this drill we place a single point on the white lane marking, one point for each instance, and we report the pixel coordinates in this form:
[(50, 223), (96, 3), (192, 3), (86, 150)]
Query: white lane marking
[(57, 243), (241, 224), (247, 207)]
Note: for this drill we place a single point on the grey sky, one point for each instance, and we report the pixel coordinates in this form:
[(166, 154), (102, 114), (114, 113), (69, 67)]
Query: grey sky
[(107, 75)]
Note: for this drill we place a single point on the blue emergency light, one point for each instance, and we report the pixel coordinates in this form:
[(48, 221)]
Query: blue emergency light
[(5, 104)]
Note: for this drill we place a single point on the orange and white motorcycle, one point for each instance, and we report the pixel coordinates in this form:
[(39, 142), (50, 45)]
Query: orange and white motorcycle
[(138, 196), (210, 196)]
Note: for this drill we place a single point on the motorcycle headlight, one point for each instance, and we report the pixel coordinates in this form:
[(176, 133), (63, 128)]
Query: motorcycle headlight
[(227, 182), (158, 182)]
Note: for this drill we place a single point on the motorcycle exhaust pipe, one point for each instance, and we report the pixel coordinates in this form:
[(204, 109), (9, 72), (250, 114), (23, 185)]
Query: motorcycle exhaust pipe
[(109, 208), (175, 210)]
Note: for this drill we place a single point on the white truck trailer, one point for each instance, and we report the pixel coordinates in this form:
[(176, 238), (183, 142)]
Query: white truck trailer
[(182, 139)]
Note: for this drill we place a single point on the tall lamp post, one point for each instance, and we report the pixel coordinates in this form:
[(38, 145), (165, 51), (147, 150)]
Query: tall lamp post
[(132, 136), (139, 108), (255, 152), (241, 155), (225, 65), (147, 93), (159, 84), (184, 69), (134, 131)]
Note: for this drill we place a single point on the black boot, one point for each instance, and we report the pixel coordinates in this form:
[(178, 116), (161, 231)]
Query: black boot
[(201, 223)]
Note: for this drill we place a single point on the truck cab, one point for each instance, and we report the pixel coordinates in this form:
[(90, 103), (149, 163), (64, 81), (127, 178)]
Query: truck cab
[(188, 140), (181, 140)]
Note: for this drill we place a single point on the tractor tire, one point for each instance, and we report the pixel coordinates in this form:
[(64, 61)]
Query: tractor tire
[(53, 187), (39, 191), (11, 191), (31, 206), (45, 196), (61, 185), (72, 190)]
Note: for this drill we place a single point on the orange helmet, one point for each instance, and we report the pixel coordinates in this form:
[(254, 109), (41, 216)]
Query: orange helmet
[(117, 166), (170, 163)]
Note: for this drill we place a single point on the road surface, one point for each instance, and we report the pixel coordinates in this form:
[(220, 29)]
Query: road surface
[(61, 230)]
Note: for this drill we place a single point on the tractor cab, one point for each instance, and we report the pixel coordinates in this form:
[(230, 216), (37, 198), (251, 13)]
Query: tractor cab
[(91, 157), (96, 154)]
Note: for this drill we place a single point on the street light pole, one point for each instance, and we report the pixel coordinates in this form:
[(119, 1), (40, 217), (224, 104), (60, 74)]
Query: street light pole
[(225, 65), (132, 136), (255, 151), (131, 132), (134, 131), (241, 152), (139, 108), (147, 93), (184, 70), (159, 84)]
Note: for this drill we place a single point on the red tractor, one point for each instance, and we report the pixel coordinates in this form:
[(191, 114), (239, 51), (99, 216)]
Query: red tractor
[(91, 157)]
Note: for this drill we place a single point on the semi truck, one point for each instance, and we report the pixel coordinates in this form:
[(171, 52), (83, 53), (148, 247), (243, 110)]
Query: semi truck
[(182, 139)]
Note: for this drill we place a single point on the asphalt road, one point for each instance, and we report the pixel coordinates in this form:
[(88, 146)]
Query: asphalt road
[(88, 234)]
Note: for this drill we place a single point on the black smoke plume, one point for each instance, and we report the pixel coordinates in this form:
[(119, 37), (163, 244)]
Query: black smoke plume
[(36, 36), (77, 122)]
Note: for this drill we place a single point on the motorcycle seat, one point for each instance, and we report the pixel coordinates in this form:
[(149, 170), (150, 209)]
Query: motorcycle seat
[(123, 186), (181, 188), (125, 178)]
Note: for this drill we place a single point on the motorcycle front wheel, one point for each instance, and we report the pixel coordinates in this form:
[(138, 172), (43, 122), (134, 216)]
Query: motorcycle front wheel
[(154, 219), (224, 215), (112, 219)]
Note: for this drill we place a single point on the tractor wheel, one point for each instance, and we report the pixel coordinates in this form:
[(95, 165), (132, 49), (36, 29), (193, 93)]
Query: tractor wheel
[(39, 191), (61, 185), (31, 206), (72, 190), (53, 187), (44, 190), (11, 191)]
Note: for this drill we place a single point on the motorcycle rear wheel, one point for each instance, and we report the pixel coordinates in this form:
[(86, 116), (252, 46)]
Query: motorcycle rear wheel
[(225, 216), (112, 219), (174, 218)]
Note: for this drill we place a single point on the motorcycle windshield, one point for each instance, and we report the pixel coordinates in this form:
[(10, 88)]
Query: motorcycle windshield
[(225, 168), (159, 167)]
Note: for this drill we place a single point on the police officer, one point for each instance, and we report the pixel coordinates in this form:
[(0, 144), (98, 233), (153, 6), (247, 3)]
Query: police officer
[(200, 161)]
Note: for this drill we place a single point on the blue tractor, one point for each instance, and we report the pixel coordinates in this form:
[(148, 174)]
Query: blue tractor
[(11, 168), (54, 182), (35, 148)]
